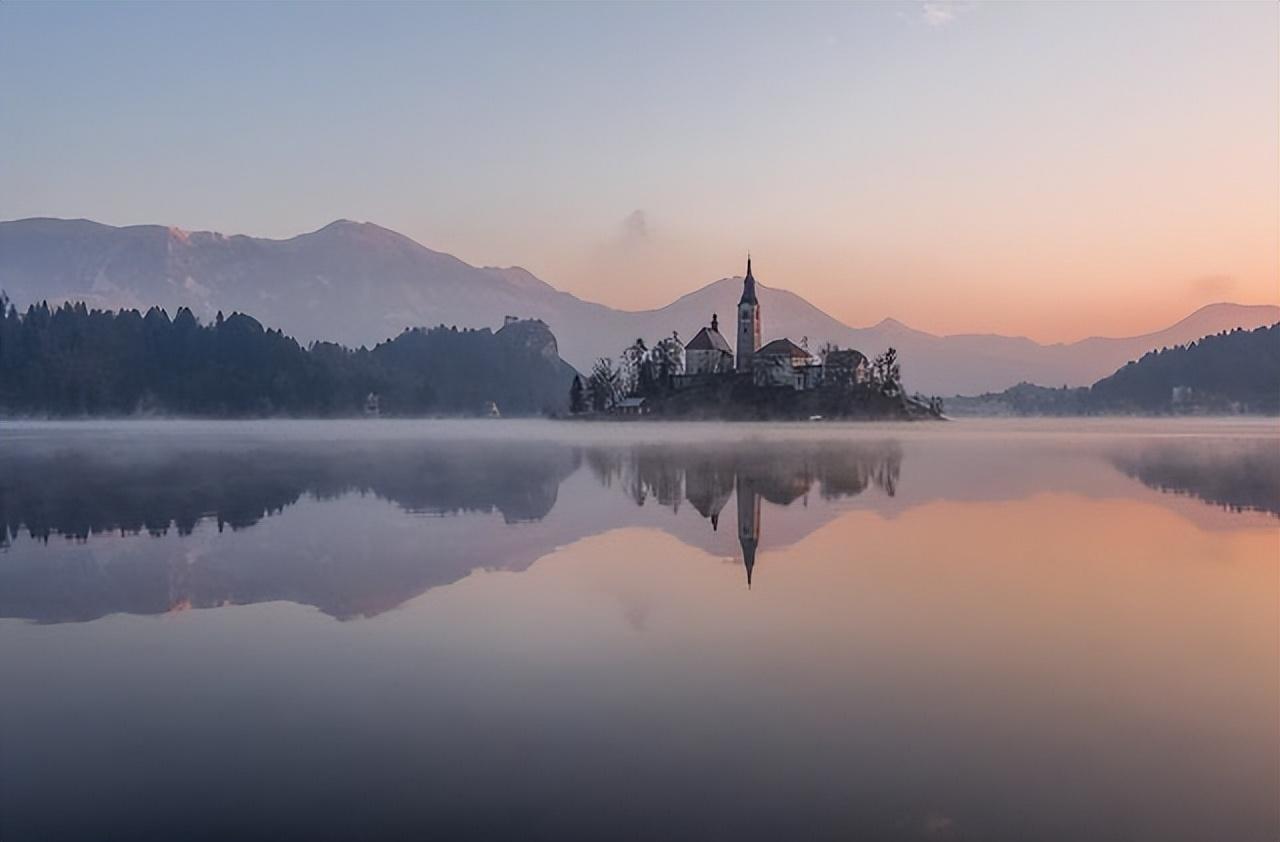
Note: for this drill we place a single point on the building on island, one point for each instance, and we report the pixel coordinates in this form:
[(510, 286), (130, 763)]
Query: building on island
[(632, 406), (845, 367), (784, 363), (708, 352), (748, 322), (708, 359)]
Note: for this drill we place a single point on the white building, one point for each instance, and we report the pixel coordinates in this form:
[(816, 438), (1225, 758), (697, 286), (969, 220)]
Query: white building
[(780, 363), (708, 352)]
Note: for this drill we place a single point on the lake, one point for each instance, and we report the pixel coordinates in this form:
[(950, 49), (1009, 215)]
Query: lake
[(1018, 630)]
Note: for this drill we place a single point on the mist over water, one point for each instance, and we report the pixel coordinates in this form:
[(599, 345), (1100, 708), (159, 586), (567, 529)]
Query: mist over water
[(326, 630)]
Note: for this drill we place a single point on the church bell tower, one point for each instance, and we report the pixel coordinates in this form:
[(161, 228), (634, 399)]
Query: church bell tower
[(748, 322)]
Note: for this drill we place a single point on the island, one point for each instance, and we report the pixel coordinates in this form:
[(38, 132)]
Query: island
[(776, 381)]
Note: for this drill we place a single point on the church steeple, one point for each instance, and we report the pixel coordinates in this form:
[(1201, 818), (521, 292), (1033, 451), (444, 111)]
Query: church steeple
[(748, 522), (748, 286), (748, 323)]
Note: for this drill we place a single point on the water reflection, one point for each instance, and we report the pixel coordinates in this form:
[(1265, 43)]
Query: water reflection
[(84, 490), (350, 558), (86, 495), (856, 635), (707, 475), (1239, 476)]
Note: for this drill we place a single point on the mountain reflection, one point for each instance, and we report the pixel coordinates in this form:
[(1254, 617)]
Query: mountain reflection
[(345, 564), (501, 505)]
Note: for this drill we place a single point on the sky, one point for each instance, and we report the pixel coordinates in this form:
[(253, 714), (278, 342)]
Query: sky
[(1054, 170)]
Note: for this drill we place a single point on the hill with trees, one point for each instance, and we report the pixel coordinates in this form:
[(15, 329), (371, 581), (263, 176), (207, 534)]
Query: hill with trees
[(1231, 372), (76, 361)]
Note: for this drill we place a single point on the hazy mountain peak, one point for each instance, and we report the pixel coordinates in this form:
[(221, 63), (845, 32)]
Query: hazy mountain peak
[(1217, 311), (518, 276), (359, 283), (351, 228)]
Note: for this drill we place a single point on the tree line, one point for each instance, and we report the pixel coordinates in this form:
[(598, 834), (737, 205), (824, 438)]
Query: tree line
[(1232, 371), (75, 361)]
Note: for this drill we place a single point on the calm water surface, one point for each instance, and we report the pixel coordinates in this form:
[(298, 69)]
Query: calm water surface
[(1004, 631)]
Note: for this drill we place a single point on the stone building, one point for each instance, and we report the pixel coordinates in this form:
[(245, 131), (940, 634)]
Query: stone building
[(780, 363), (784, 363), (708, 352)]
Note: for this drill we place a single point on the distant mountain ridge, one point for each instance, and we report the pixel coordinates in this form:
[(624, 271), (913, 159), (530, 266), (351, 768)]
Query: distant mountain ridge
[(1230, 372), (358, 283)]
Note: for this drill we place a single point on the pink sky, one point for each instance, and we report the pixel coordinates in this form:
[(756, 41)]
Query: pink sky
[(1055, 170)]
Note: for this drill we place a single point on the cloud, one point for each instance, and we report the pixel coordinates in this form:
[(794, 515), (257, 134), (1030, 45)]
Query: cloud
[(636, 226), (938, 14), (1220, 287)]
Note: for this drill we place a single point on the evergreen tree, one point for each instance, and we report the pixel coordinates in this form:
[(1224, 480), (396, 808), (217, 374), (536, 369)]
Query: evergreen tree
[(577, 401), (76, 361)]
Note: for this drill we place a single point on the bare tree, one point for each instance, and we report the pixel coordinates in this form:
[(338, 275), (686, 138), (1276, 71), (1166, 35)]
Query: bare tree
[(604, 385), (886, 373)]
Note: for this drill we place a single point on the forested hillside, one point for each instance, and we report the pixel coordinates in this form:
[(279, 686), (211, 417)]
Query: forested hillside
[(1233, 371), (73, 361), (1230, 372)]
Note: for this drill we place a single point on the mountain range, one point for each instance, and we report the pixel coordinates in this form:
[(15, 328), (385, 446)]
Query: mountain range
[(359, 283)]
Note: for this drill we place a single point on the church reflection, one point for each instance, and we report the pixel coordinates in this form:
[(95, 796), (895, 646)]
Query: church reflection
[(748, 524), (707, 476), (80, 503), (96, 527)]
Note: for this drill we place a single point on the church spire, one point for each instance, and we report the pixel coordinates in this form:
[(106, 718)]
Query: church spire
[(748, 522), (748, 285)]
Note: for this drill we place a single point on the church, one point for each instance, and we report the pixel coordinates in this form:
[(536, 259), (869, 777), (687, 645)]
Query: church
[(780, 363)]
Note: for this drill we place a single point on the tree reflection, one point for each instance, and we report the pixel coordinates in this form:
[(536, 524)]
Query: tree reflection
[(102, 488), (349, 566), (77, 493), (1238, 475)]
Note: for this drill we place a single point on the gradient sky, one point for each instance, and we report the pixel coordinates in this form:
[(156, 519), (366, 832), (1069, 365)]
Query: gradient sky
[(1055, 170)]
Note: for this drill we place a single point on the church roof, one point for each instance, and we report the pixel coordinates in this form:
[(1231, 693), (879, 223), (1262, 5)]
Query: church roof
[(782, 348), (846, 356), (708, 340)]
